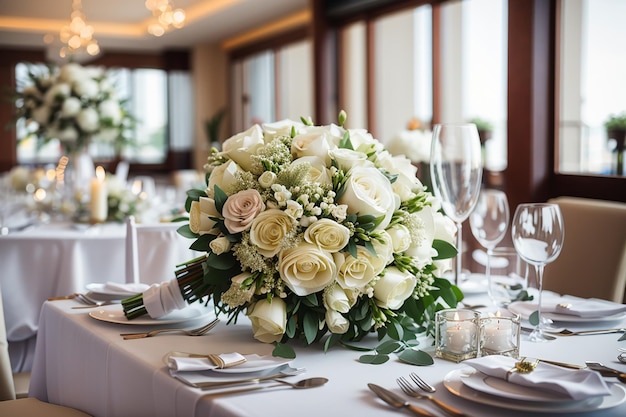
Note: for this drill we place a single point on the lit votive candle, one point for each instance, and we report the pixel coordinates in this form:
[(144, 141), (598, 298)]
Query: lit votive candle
[(98, 204), (459, 336), (499, 334), (456, 333)]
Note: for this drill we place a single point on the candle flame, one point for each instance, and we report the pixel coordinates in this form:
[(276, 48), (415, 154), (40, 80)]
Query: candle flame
[(40, 195), (456, 316), (100, 174)]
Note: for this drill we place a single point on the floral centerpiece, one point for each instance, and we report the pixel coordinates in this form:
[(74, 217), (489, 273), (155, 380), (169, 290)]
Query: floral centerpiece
[(76, 105), (310, 230)]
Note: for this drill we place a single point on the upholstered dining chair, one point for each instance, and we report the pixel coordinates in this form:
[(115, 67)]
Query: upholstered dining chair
[(23, 407), (153, 250), (592, 262)]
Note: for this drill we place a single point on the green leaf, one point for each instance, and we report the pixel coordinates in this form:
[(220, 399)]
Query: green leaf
[(357, 348), (352, 249), (445, 250), (186, 232), (374, 359), (222, 262), (416, 357), (345, 142), (195, 194), (394, 330), (220, 198), (282, 350), (331, 341), (310, 323), (387, 347), (534, 318), (202, 243)]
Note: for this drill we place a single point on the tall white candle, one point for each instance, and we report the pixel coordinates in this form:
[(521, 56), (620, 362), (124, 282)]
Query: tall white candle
[(98, 204)]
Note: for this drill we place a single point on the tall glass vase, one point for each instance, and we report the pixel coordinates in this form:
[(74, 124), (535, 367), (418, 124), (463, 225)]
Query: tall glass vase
[(79, 171)]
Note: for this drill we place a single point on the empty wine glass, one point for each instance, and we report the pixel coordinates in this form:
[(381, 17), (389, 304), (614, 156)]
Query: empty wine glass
[(538, 233), (456, 172), (488, 223)]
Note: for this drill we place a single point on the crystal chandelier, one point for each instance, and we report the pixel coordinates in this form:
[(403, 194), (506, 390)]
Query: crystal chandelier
[(167, 17), (78, 35)]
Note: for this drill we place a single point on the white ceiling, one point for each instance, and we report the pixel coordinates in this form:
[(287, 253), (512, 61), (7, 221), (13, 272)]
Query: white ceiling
[(120, 25)]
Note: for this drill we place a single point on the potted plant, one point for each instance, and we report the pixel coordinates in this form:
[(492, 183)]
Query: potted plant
[(615, 127)]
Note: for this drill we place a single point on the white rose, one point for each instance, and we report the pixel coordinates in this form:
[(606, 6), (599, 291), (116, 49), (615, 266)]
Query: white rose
[(393, 288), (220, 245), (333, 133), (240, 147), (280, 128), (360, 137), (354, 273), (268, 231), (110, 109), (369, 192), (71, 72), (384, 252), (269, 319), (267, 179), (328, 235), (336, 323), (200, 215), (306, 269), (318, 172), (294, 209), (421, 248), (241, 209), (224, 176), (414, 144), (311, 144), (71, 106), (335, 298), (400, 237), (88, 120), (347, 159), (67, 135), (87, 88)]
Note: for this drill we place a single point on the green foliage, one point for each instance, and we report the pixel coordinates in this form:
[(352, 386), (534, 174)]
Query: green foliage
[(482, 124), (616, 121)]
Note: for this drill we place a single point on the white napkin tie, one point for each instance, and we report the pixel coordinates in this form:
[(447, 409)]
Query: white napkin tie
[(577, 384), (161, 299), (193, 362)]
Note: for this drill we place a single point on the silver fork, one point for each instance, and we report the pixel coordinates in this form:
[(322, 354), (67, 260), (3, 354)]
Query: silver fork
[(191, 332), (425, 386), (91, 303), (406, 387)]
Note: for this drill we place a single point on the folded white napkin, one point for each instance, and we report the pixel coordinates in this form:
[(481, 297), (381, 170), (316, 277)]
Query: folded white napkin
[(583, 307), (160, 299), (203, 363), (125, 289), (578, 384)]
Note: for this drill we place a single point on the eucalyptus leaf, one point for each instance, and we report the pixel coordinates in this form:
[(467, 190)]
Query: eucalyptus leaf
[(445, 250), (416, 357), (374, 359), (186, 232), (220, 198), (534, 318), (310, 327), (387, 347), (282, 350)]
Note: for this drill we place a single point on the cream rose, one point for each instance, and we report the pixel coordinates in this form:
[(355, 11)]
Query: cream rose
[(200, 215), (354, 273), (393, 288), (318, 172), (400, 237), (336, 323), (220, 245), (328, 235), (347, 159), (240, 147), (269, 229), (71, 106), (224, 176), (335, 298), (88, 119), (311, 144), (240, 210), (267, 179), (269, 319), (368, 191), (306, 269), (280, 128)]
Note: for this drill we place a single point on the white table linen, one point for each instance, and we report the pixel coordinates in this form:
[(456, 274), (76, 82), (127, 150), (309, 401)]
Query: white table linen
[(85, 364), (60, 258)]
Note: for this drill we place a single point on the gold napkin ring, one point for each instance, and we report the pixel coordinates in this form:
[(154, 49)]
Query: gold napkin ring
[(523, 367), (219, 362)]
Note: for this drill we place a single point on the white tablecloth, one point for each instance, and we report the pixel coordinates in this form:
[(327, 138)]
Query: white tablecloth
[(84, 363), (59, 259)]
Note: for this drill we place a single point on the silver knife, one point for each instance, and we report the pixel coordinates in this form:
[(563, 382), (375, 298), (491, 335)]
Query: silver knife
[(397, 401)]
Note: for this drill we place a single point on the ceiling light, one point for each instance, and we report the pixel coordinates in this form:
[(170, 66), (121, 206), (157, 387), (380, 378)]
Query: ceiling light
[(167, 17), (78, 35)]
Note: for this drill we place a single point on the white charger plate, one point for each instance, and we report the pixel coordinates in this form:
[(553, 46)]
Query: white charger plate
[(526, 308), (454, 383), (115, 314)]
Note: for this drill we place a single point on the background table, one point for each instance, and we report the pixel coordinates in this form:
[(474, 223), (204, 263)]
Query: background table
[(85, 364), (62, 258)]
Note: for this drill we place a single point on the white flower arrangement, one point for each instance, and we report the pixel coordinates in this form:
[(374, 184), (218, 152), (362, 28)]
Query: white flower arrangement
[(310, 230), (74, 104)]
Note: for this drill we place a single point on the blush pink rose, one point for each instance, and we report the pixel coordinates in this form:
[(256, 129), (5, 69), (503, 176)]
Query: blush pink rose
[(241, 209)]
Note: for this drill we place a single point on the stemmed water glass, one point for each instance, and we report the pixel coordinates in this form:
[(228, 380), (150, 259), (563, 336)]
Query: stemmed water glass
[(537, 231), (489, 222), (456, 171)]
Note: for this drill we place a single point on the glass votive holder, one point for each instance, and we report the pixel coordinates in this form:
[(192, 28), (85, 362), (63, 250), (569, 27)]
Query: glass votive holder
[(499, 333), (508, 277), (456, 334)]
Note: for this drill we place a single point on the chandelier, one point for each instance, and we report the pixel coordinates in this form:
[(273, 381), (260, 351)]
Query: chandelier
[(167, 17), (78, 35)]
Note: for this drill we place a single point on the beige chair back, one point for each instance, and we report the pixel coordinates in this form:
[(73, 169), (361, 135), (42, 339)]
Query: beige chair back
[(592, 262)]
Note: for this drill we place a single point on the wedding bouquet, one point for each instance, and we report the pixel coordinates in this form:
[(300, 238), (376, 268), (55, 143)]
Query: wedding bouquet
[(74, 104), (314, 229)]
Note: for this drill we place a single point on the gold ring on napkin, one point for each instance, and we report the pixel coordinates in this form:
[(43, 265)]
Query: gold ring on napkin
[(523, 367)]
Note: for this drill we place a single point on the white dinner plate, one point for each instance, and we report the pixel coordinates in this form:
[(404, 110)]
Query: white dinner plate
[(454, 383), (526, 308), (115, 314), (104, 289)]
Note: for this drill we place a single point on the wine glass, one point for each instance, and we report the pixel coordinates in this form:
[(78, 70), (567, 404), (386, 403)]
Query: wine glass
[(538, 233), (488, 223), (456, 172)]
